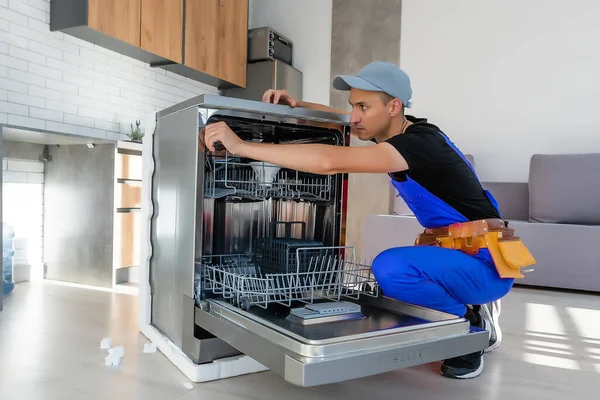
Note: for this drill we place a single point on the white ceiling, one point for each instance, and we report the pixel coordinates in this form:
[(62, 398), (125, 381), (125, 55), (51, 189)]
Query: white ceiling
[(21, 135)]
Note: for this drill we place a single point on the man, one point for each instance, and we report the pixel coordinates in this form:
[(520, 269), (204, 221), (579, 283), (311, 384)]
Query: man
[(434, 179)]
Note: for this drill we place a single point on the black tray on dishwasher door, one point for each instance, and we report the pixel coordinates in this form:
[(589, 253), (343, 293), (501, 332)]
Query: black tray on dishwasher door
[(277, 255)]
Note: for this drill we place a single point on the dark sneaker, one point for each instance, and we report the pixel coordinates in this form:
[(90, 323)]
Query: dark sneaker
[(490, 313), (465, 367), (469, 365)]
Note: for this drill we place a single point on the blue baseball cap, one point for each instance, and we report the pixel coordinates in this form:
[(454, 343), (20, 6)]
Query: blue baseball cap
[(379, 76)]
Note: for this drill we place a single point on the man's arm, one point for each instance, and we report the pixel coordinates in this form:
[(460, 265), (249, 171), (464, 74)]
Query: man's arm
[(283, 97), (321, 107), (327, 159), (314, 158)]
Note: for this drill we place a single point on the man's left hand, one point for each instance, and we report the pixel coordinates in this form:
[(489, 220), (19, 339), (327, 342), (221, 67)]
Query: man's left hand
[(220, 132)]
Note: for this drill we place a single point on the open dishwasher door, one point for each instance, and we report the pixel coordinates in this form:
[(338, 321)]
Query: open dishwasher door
[(250, 258), (389, 336)]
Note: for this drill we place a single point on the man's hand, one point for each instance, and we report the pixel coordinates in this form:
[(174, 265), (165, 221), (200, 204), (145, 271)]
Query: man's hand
[(220, 132), (280, 97)]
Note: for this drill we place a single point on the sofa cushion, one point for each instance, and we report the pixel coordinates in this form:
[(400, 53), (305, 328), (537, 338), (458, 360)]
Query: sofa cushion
[(565, 188), (512, 197)]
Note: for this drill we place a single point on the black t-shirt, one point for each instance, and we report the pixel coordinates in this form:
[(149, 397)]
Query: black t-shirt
[(437, 167)]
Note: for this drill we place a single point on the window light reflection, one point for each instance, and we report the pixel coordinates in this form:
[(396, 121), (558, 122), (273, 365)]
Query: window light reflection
[(549, 343)]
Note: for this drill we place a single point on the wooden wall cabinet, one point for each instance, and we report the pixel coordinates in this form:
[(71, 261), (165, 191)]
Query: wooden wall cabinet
[(162, 28), (202, 36), (116, 18), (205, 40), (216, 41), (233, 41)]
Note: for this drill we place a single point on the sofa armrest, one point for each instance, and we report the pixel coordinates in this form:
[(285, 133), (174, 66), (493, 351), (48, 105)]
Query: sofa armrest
[(566, 255)]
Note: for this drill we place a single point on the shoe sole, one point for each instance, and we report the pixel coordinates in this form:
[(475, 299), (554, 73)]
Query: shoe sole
[(470, 375), (493, 316)]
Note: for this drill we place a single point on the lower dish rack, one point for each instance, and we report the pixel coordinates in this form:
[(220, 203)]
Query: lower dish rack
[(332, 276)]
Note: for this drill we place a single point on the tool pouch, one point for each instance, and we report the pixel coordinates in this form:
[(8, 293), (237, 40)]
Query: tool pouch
[(509, 254)]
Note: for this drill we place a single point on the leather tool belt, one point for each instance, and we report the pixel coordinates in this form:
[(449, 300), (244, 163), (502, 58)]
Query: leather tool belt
[(507, 250)]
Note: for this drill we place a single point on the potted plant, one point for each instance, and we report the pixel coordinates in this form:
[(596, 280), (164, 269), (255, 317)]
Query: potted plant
[(136, 134)]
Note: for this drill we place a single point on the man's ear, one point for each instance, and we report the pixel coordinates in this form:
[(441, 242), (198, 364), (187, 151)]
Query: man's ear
[(396, 107)]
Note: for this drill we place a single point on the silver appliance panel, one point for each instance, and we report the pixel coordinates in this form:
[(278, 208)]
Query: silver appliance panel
[(176, 155), (288, 78), (270, 74)]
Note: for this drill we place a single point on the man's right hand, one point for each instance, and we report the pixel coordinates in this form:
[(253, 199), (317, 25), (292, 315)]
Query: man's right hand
[(280, 97)]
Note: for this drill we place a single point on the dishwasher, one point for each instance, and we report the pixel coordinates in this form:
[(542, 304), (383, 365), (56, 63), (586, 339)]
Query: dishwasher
[(250, 258)]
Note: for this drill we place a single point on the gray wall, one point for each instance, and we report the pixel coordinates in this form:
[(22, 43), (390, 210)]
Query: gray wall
[(363, 31), (79, 214), (22, 150)]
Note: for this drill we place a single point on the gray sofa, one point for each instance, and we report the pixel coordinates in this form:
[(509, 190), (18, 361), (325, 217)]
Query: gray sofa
[(556, 213)]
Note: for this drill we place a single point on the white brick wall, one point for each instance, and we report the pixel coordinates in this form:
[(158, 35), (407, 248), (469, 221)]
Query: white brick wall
[(23, 207), (53, 81), (22, 171)]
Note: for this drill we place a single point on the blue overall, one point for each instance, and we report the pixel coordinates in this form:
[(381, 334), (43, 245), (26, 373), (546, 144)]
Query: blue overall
[(434, 277)]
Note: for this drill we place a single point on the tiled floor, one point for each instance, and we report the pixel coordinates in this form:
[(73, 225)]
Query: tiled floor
[(50, 335)]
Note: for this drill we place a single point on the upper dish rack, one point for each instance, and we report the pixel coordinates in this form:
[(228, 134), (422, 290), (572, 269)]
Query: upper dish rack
[(228, 176)]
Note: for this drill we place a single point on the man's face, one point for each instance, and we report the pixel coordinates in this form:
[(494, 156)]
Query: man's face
[(371, 117)]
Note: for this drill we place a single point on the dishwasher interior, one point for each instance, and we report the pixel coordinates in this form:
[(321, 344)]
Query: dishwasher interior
[(250, 258), (271, 236)]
